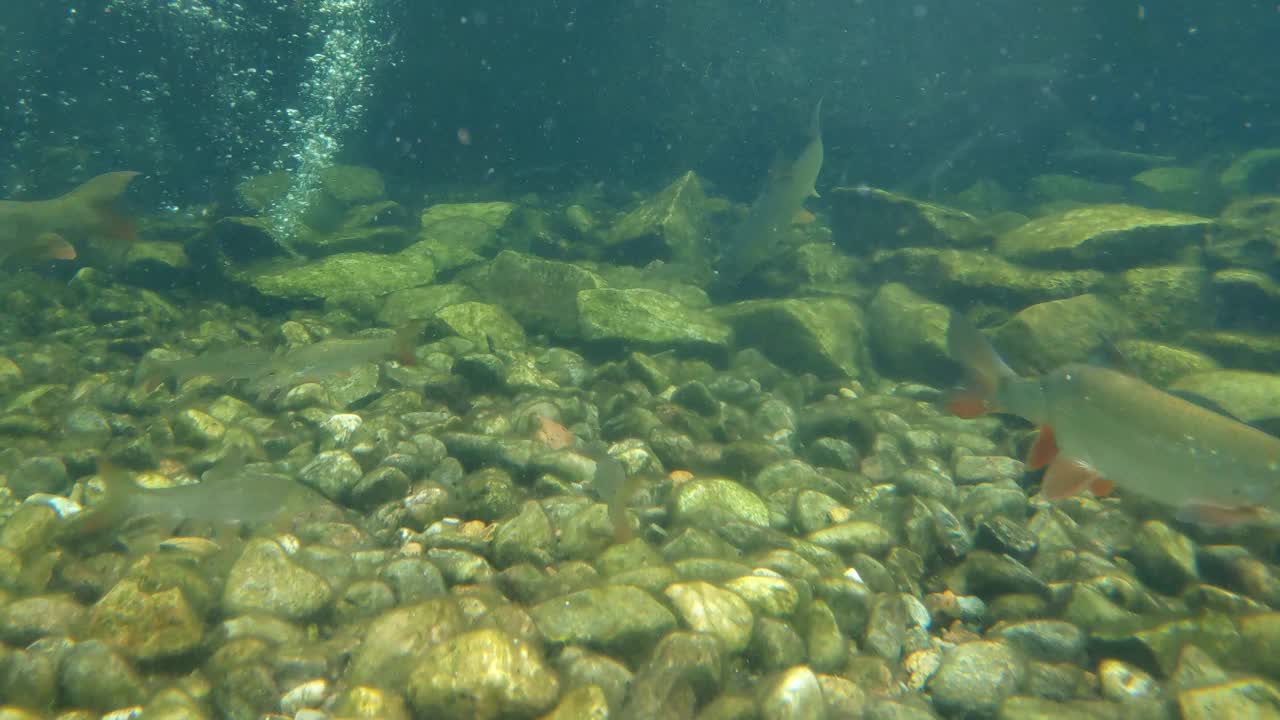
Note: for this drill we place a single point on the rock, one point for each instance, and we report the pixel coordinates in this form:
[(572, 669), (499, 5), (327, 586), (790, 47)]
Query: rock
[(794, 695), (768, 595), (708, 609), (648, 319), (457, 235), (1241, 350), (1106, 237), (1256, 171), (527, 537), (961, 276), (156, 265), (863, 218), (670, 226), (613, 618), (1050, 641), (197, 429), (586, 702), (1247, 235), (1121, 682), (265, 579), (25, 620), (1165, 558), (489, 327), (399, 638), (355, 274), (824, 336), (1247, 298), (1183, 189), (1165, 301), (93, 676), (375, 228), (39, 474), (367, 703), (909, 334), (1057, 190), (1247, 395), (1048, 335), (146, 626), (976, 677), (710, 502), (513, 278), (333, 473), (422, 303), (1261, 634), (1245, 698), (239, 240), (482, 675), (1162, 365), (853, 536)]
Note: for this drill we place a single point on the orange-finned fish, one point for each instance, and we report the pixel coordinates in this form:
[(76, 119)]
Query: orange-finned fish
[(1099, 426)]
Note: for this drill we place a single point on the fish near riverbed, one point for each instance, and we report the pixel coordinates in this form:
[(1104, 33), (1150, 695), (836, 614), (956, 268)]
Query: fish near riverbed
[(1099, 427), (45, 229), (756, 238)]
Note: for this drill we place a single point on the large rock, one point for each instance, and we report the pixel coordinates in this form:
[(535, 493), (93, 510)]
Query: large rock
[(1238, 349), (398, 639), (865, 219), (378, 227), (1105, 237), (345, 274), (1184, 189), (1246, 298), (909, 334), (824, 336), (1045, 336), (1257, 171), (976, 677), (648, 319), (488, 326), (461, 234), (421, 303), (1247, 234), (482, 675), (146, 625), (672, 225), (1247, 395), (1161, 364), (1165, 301), (612, 617), (541, 294), (266, 579), (960, 276)]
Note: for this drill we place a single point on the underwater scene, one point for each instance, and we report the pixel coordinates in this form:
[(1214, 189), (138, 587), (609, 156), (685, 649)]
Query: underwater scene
[(663, 359)]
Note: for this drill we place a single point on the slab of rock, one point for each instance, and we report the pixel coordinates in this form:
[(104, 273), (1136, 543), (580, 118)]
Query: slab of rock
[(824, 336), (1048, 335), (421, 303), (1245, 394), (909, 334), (1247, 235), (366, 274), (541, 294), (1105, 237), (648, 319), (961, 276), (865, 219), (610, 617), (1257, 171), (482, 675), (672, 225), (1164, 301), (455, 235)]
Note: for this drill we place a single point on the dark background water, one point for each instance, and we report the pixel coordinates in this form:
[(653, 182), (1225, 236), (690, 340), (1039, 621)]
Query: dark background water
[(196, 92)]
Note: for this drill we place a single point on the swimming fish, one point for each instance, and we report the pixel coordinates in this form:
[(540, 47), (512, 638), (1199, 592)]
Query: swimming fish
[(1099, 427), (756, 238), (609, 480), (44, 229)]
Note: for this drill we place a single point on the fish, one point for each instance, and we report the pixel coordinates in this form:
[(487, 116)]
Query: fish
[(1100, 428), (755, 239), (45, 229), (228, 492), (609, 480)]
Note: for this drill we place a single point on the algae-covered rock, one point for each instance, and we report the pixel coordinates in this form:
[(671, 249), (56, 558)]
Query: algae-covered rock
[(711, 502), (1246, 298), (960, 276), (93, 676), (1243, 698), (1058, 189), (648, 319), (526, 537), (239, 239), (720, 613), (619, 618), (156, 265), (1247, 395), (1241, 349), (398, 638), (976, 677), (488, 326), (672, 225), (266, 579), (1184, 189), (369, 274), (1161, 364), (824, 336), (909, 334), (865, 219), (1247, 234), (1257, 171), (482, 675), (1045, 336), (456, 235), (376, 227), (541, 294), (1105, 237), (1164, 301), (146, 625), (420, 303)]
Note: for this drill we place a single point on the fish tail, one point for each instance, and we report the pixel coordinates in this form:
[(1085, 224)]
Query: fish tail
[(407, 341), (986, 370), (100, 195)]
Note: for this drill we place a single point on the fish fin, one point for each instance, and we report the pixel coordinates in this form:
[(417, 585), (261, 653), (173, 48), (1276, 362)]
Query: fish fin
[(1065, 478), (803, 217), (969, 347), (407, 341), (1044, 450), (1220, 516), (967, 404), (1102, 487), (815, 122), (100, 194), (52, 246)]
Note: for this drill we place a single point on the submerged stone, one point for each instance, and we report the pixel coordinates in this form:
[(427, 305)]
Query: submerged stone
[(1105, 237)]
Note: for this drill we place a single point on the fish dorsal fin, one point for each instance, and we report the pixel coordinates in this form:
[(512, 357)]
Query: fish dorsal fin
[(1065, 478)]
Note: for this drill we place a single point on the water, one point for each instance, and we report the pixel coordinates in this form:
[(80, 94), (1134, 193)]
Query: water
[(542, 206)]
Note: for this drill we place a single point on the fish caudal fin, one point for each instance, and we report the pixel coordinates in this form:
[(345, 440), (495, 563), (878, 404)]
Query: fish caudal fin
[(986, 370), (52, 246)]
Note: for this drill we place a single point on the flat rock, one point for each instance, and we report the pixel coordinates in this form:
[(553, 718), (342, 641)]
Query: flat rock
[(367, 274), (1107, 237), (824, 336), (865, 218), (648, 319)]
